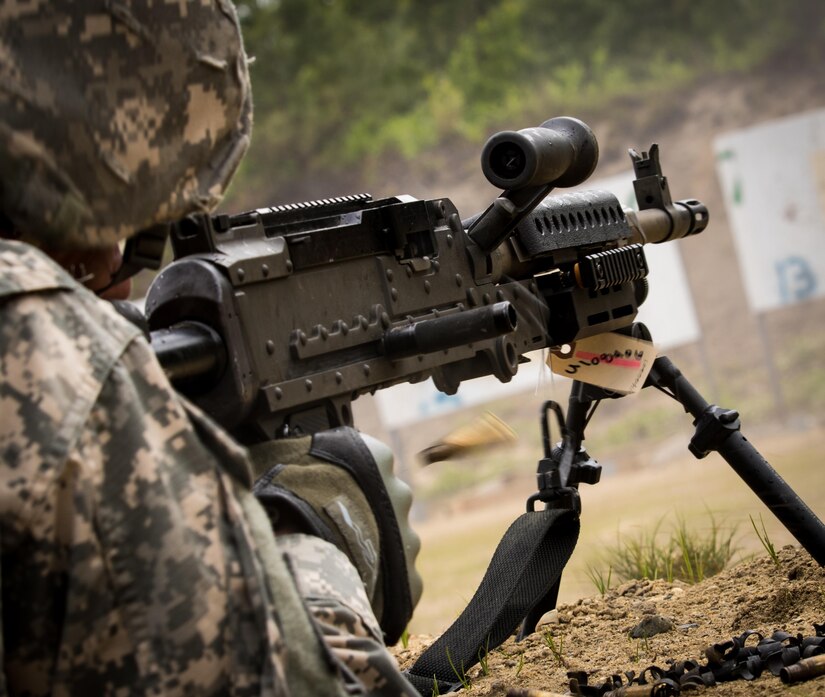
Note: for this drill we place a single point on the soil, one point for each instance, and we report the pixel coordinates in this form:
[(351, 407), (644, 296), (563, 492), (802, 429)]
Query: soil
[(595, 633)]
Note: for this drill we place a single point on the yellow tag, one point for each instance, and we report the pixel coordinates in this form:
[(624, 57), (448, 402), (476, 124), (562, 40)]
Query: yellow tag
[(613, 361)]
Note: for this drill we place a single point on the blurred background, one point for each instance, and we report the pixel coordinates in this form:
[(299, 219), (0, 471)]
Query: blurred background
[(394, 97)]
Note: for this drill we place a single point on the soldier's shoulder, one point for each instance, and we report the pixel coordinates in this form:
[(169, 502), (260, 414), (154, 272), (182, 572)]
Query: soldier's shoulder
[(24, 269), (58, 345), (39, 296)]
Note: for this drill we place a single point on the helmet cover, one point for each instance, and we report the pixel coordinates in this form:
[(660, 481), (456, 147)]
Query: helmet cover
[(116, 115)]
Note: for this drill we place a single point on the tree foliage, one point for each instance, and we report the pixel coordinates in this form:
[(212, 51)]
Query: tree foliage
[(340, 83)]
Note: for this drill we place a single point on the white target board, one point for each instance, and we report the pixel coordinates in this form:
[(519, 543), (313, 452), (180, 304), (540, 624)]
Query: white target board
[(773, 180)]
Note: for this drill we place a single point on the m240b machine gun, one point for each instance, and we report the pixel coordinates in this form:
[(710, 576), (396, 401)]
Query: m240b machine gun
[(274, 320)]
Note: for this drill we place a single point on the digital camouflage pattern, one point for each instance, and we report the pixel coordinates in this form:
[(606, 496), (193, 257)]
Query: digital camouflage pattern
[(117, 114), (126, 562), (334, 592), (130, 564)]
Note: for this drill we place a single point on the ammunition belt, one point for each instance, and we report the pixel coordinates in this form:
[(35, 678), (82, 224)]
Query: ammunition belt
[(791, 657)]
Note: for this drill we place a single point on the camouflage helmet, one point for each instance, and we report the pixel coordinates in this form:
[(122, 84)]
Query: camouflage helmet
[(116, 115)]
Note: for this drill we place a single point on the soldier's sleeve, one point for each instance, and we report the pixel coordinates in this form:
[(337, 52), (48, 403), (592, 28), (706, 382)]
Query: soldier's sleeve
[(335, 596)]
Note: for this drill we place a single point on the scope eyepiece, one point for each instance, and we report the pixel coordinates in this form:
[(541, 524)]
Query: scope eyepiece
[(562, 151), (508, 160)]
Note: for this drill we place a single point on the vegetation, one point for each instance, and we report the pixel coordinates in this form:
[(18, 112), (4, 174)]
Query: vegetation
[(680, 554), (484, 657), (556, 648), (520, 664), (765, 539), (340, 84), (641, 648), (459, 672), (597, 576)]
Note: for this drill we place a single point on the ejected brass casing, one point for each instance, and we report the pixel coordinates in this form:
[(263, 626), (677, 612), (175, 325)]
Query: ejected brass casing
[(640, 691), (805, 669)]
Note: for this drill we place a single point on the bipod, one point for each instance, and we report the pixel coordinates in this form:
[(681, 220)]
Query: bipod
[(718, 430), (522, 581)]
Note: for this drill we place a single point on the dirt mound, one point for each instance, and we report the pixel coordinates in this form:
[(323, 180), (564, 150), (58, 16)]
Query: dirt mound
[(596, 634)]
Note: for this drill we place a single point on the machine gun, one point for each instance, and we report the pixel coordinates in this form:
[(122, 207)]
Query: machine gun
[(274, 320)]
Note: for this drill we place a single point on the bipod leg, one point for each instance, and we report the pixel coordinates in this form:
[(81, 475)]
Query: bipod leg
[(718, 430)]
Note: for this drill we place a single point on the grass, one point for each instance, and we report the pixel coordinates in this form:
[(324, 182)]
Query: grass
[(484, 657), (555, 648), (765, 539), (635, 425), (597, 576), (682, 554), (641, 648), (456, 548), (460, 673)]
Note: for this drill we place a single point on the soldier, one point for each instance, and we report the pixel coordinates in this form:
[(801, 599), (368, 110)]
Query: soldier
[(135, 558)]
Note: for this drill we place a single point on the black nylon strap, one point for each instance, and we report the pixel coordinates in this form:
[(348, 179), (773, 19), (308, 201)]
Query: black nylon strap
[(527, 563)]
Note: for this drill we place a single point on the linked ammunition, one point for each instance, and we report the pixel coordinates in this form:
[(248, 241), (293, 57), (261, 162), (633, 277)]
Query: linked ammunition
[(805, 669)]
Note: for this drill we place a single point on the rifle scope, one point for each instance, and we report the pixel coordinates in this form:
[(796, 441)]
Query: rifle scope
[(562, 152)]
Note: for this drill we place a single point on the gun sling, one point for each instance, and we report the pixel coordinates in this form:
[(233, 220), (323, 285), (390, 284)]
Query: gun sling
[(526, 565)]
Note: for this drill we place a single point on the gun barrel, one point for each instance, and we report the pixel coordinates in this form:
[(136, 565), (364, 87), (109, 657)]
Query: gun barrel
[(189, 351), (655, 225), (440, 333)]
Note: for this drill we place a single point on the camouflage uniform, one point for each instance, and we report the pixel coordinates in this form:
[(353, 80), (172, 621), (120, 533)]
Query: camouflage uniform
[(135, 559), (131, 546)]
